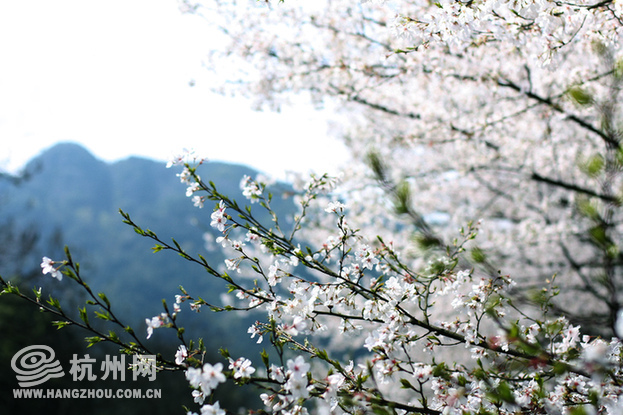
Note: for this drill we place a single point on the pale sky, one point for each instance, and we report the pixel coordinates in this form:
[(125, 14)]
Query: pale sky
[(114, 75)]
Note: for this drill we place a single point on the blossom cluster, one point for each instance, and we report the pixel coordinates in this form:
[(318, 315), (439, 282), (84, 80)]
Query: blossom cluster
[(361, 296), (204, 380), (188, 175)]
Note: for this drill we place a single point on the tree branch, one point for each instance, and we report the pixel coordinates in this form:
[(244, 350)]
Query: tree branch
[(570, 186), (547, 101)]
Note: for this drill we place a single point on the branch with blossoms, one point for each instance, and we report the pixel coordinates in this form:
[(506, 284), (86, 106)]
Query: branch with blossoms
[(388, 308), (97, 306), (354, 327), (509, 152)]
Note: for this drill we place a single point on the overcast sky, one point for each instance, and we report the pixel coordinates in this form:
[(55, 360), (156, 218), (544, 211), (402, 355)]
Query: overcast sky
[(115, 75)]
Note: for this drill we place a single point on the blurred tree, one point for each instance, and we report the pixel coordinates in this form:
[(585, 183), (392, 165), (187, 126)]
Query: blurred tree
[(503, 111)]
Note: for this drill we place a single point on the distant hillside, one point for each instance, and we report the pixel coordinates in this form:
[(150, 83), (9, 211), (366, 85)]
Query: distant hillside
[(76, 197)]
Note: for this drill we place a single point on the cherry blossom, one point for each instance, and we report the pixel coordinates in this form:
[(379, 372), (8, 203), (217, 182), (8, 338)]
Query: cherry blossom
[(181, 355), (254, 330), (48, 267), (205, 378), (219, 218), (242, 368), (335, 207), (214, 409), (298, 368), (155, 323), (250, 189)]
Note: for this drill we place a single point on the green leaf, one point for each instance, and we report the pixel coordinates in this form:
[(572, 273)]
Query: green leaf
[(579, 95), (37, 292), (580, 410), (441, 371), (478, 255), (599, 236), (618, 69), (503, 393), (593, 166), (613, 251), (265, 359), (402, 199), (9, 288), (381, 410), (93, 340), (480, 374), (113, 336), (533, 349), (54, 303), (102, 316), (83, 315), (600, 47), (560, 368), (68, 255), (323, 355), (405, 384), (223, 352), (203, 260), (103, 297), (373, 160), (513, 332), (60, 324), (425, 242), (588, 208)]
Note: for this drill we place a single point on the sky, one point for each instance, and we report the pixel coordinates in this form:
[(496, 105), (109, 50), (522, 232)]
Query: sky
[(117, 76)]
